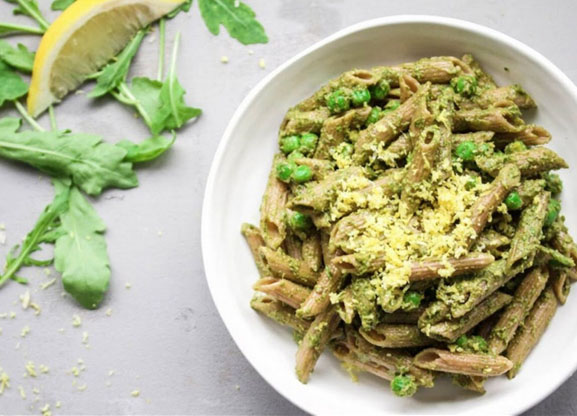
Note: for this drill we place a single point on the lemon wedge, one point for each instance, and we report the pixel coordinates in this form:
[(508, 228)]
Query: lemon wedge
[(84, 38)]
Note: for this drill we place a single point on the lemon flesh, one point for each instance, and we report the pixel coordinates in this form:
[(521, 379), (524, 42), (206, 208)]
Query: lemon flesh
[(84, 38)]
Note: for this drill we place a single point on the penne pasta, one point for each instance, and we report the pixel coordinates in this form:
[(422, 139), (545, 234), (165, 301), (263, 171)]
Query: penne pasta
[(255, 241), (396, 336), (279, 312), (286, 291), (286, 267), (272, 224), (478, 365)]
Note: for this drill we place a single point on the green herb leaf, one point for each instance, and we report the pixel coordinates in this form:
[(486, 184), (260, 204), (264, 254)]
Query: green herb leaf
[(176, 112), (61, 4), (11, 28), (43, 231), (115, 73), (30, 8), (11, 85), (146, 150), (80, 253), (20, 57), (91, 164), (239, 20)]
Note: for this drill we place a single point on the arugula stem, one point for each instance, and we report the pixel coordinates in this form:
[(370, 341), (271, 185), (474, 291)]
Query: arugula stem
[(53, 123), (161, 44), (94, 75), (36, 16), (28, 117), (172, 74), (126, 93), (19, 28)]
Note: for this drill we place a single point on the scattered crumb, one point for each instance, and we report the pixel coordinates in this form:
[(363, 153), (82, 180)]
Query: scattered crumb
[(2, 237), (46, 410), (108, 312), (159, 233), (25, 299), (58, 405), (25, 331), (47, 271), (61, 330), (237, 387), (4, 381), (135, 393), (47, 284), (250, 52), (36, 391), (108, 383), (224, 59), (151, 39), (22, 392), (3, 315), (36, 308), (76, 321), (44, 369), (85, 337), (17, 346), (30, 369), (2, 226), (128, 285), (75, 371), (79, 92), (82, 387), (111, 373), (0, 331), (262, 63), (63, 294), (12, 315)]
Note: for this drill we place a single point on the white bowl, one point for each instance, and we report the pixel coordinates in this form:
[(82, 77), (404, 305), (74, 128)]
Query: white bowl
[(238, 177)]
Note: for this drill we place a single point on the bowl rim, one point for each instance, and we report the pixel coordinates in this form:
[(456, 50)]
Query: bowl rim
[(218, 296)]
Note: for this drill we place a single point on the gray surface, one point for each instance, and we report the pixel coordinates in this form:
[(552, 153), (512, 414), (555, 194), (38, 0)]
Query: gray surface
[(165, 337)]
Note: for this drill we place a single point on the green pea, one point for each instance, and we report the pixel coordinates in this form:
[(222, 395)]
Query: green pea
[(514, 147), (392, 105), (284, 171), (360, 96), (471, 183), (462, 341), (478, 344), (374, 116), (381, 90), (309, 142), (294, 156), (513, 201), (552, 212), (299, 221), (413, 299), (403, 386), (465, 85), (302, 174), (290, 143), (466, 150), (338, 101), (553, 183)]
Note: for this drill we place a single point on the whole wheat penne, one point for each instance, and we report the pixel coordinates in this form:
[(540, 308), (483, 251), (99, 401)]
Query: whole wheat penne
[(396, 360), (345, 355), (484, 80), (286, 267), (314, 342), (286, 291), (255, 242), (437, 70), (330, 281), (531, 135), (407, 87), (434, 313), (530, 162), (388, 127), (493, 242), (480, 365), (345, 306), (272, 209), (508, 178), (563, 242), (477, 137), (298, 122), (312, 253), (397, 150), (433, 269), (279, 312), (560, 285), (396, 336), (319, 195), (500, 120), (515, 313), (504, 96), (554, 258), (449, 331), (472, 383), (532, 329), (292, 246), (529, 189), (335, 129), (529, 231), (402, 317)]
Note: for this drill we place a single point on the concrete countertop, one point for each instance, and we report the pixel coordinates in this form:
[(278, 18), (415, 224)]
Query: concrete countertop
[(164, 337)]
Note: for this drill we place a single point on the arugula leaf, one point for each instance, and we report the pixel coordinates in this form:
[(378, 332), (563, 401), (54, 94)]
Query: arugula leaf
[(80, 253), (115, 73), (238, 19), (11, 85), (146, 150), (61, 4), (30, 8), (91, 164), (43, 231), (176, 112), (20, 58), (11, 28)]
